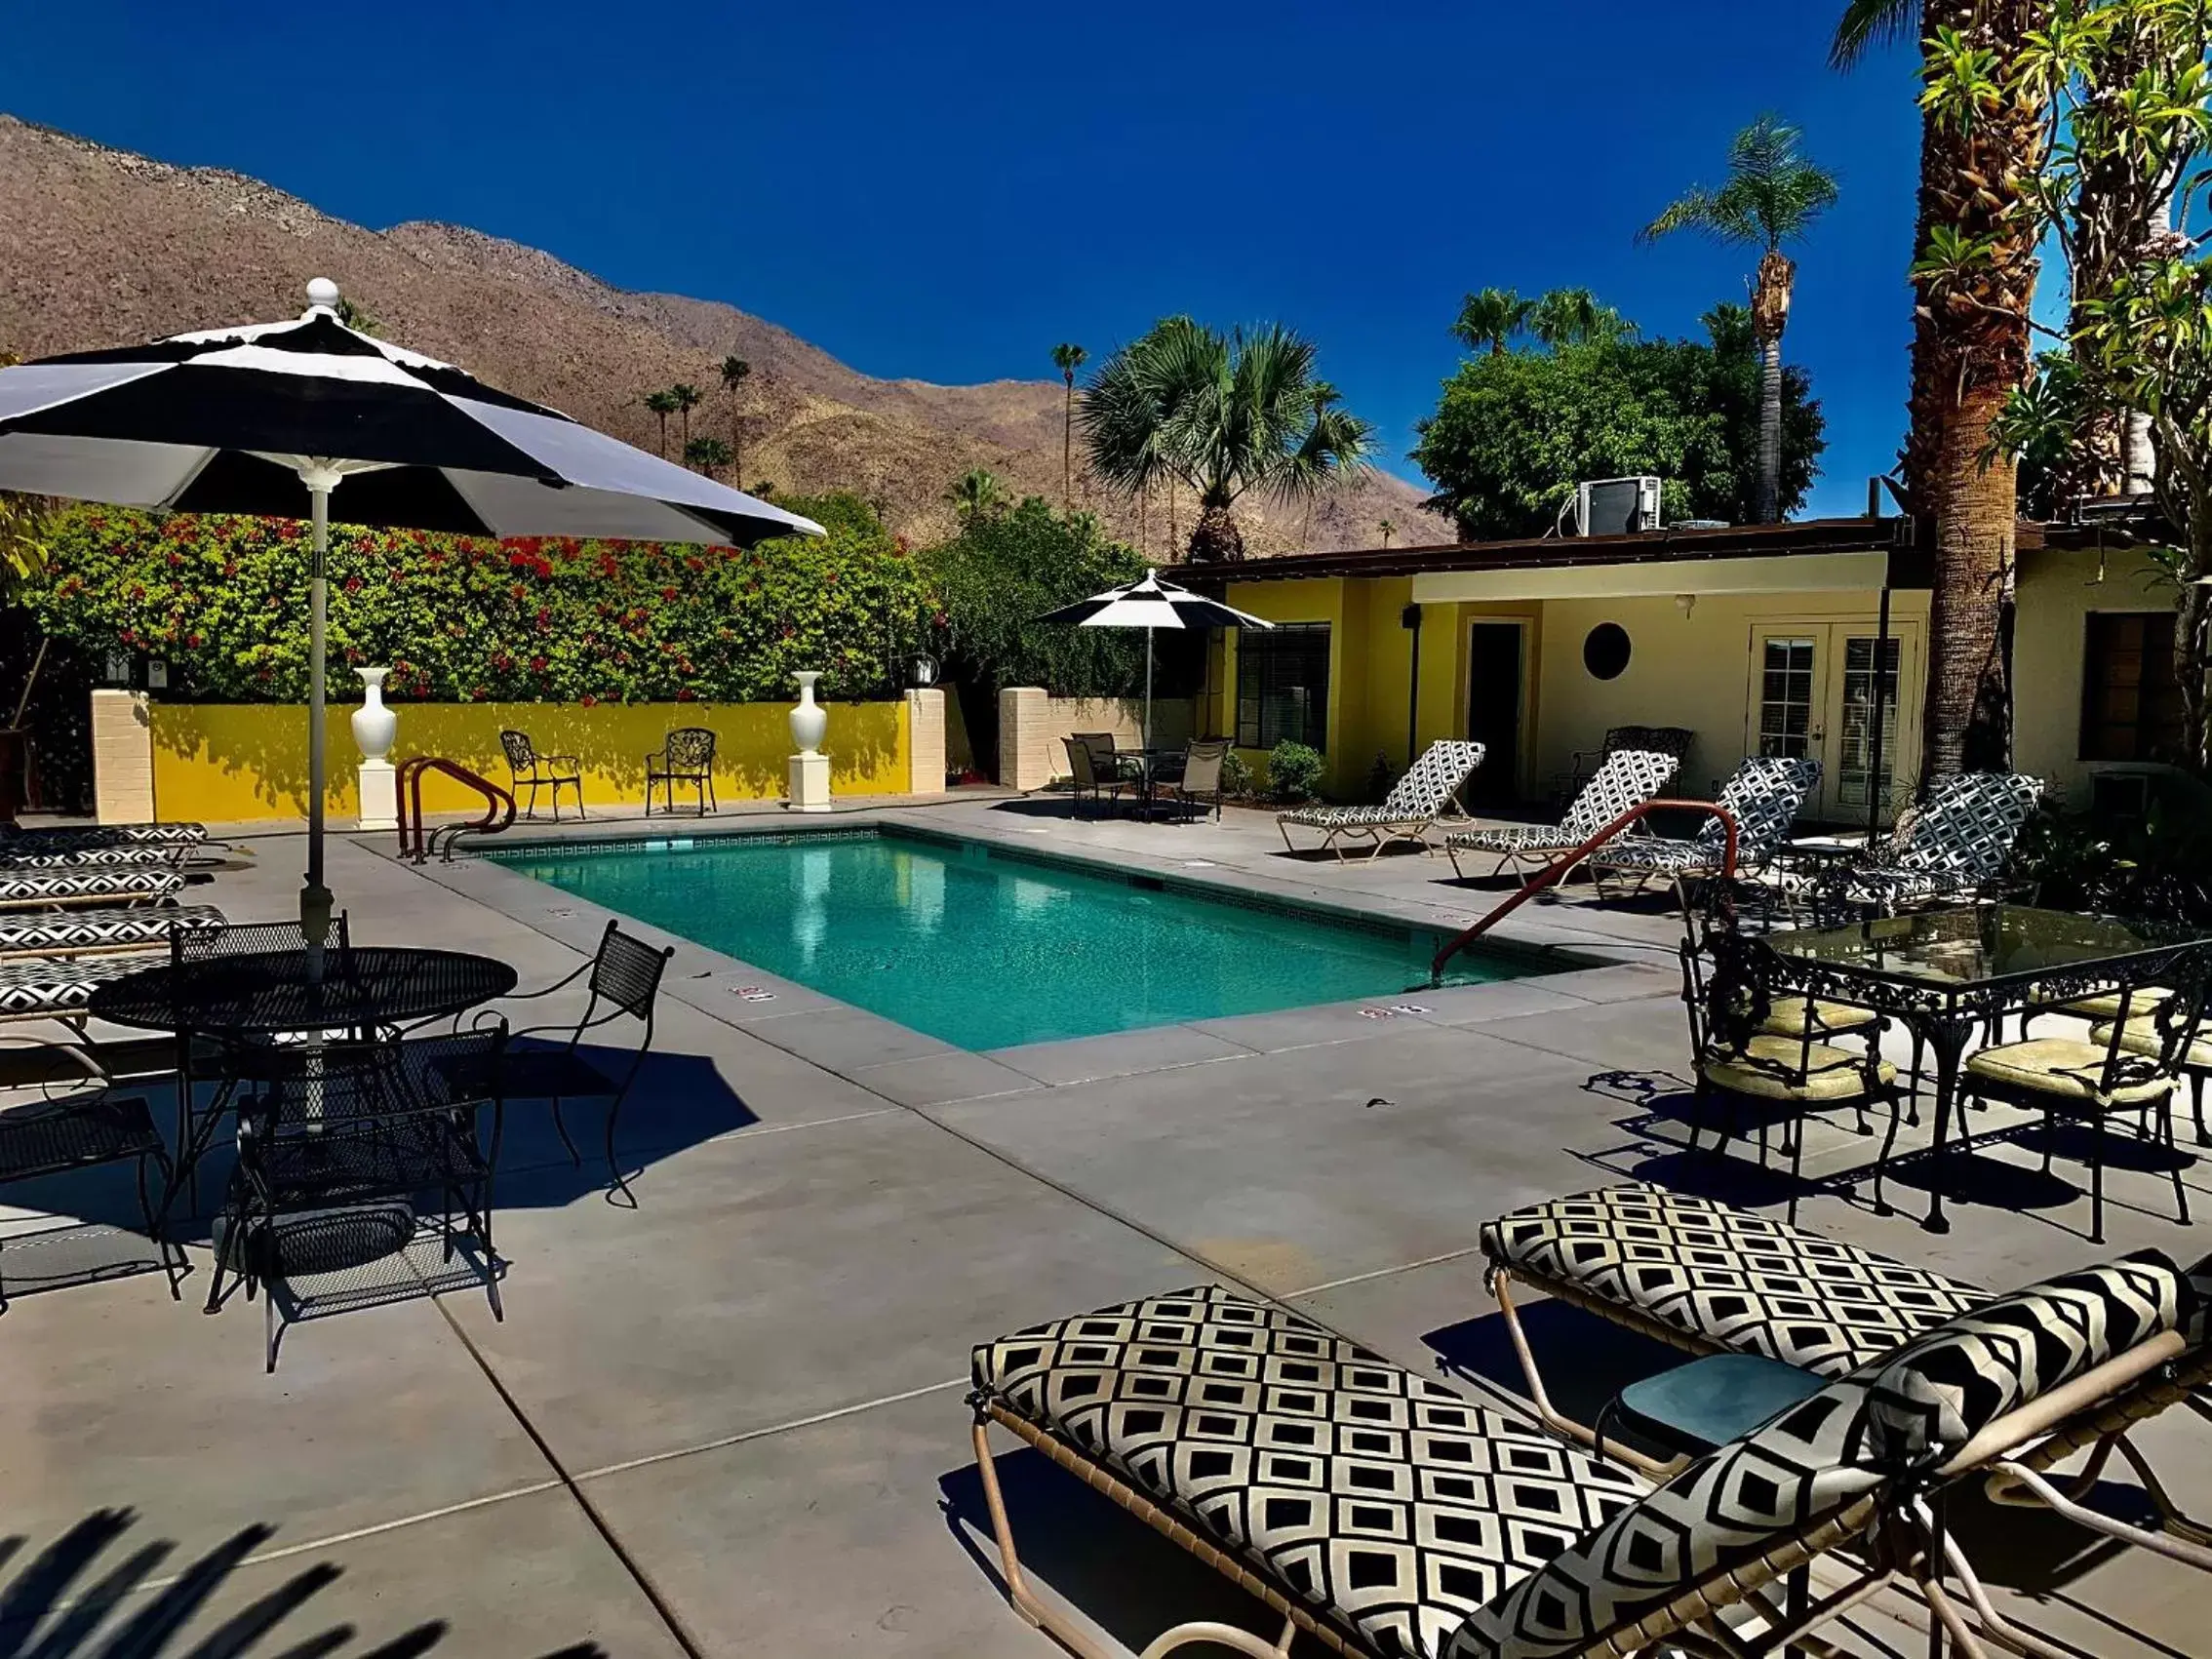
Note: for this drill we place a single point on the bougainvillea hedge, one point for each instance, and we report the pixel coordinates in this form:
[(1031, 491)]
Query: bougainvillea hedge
[(224, 600)]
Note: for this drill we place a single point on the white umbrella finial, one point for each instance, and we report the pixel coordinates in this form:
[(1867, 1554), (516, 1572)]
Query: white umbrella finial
[(322, 296)]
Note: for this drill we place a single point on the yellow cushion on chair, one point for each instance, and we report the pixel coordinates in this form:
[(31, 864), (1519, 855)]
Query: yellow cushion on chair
[(2061, 1066), (1768, 1065), (2140, 1001), (2143, 1037), (1789, 1019)]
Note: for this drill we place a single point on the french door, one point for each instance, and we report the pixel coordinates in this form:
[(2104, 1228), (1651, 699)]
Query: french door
[(1812, 692)]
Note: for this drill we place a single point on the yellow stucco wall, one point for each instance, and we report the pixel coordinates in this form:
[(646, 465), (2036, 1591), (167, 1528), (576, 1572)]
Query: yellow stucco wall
[(230, 763), (2058, 592)]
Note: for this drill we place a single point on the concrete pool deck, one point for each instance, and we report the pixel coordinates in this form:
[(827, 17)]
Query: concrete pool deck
[(730, 1420)]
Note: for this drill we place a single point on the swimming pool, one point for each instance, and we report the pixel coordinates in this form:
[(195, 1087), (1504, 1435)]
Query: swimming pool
[(984, 947)]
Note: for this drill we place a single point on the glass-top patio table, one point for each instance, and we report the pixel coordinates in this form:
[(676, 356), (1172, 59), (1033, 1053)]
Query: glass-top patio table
[(1946, 973)]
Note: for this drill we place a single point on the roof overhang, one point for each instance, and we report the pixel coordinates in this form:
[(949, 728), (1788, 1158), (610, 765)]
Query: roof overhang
[(1800, 572)]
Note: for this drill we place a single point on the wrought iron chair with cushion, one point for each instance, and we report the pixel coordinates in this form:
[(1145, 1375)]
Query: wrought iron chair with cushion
[(1428, 794), (1740, 1052), (686, 757), (1628, 778), (530, 769), (1764, 796), (624, 982), (1195, 784), (2131, 1063), (1087, 779), (85, 1132)]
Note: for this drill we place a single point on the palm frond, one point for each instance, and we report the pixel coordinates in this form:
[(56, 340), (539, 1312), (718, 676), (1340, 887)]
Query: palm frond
[(1869, 23)]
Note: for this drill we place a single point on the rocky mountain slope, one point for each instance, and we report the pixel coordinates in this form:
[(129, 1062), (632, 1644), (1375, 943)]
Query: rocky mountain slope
[(103, 246)]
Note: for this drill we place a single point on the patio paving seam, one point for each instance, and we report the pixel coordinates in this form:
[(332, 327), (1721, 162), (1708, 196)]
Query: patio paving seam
[(677, 1632), (1383, 1272), (727, 1441)]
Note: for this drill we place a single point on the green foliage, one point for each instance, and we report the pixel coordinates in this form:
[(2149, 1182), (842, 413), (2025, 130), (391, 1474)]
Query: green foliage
[(1235, 776), (708, 454), (1294, 771), (225, 600), (1002, 571), (1225, 413), (976, 493), (1493, 319), (2158, 869), (1773, 194), (1515, 431), (1380, 776)]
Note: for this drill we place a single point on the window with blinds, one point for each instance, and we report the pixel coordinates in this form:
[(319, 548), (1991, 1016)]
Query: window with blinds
[(1282, 686), (2131, 707)]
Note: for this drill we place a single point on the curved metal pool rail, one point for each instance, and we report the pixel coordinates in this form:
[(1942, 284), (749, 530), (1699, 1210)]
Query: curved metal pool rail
[(498, 806), (1551, 873)]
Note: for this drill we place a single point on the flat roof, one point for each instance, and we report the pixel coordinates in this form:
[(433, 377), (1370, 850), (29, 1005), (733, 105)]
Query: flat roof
[(1650, 547)]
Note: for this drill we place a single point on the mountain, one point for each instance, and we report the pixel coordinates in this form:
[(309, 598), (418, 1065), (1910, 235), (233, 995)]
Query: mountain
[(108, 248)]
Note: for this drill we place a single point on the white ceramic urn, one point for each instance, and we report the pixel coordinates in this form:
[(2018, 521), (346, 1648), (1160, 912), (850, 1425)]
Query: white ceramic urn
[(374, 724), (809, 719)]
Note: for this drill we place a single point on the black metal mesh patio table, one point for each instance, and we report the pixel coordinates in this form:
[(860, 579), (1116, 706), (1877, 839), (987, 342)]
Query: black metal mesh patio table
[(266, 993), (1946, 973)]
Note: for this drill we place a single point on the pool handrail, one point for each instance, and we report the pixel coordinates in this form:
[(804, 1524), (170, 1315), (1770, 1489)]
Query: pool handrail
[(1556, 870), (498, 806)]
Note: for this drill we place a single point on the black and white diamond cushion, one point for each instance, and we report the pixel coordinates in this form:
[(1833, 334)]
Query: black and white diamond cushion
[(70, 838), (1895, 1419), (31, 884), (100, 929), (43, 987), (154, 853), (1730, 1278), (1384, 1502), (1427, 788), (1762, 796), (1628, 778)]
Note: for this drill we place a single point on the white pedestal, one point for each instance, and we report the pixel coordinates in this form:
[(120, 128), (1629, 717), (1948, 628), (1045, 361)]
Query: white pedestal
[(808, 780), (379, 795)]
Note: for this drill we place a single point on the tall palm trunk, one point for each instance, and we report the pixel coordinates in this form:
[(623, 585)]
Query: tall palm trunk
[(1971, 349), (1767, 504), (1067, 447), (1216, 540)]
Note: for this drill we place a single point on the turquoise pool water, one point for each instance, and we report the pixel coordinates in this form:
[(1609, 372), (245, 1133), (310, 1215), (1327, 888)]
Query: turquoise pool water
[(983, 949)]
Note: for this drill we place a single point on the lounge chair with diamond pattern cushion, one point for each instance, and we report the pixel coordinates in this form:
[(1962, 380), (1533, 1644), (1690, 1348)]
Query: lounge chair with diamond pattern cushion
[(1951, 849), (43, 886), (75, 846), (1391, 1518), (1628, 778), (86, 932), (1428, 793), (1762, 796)]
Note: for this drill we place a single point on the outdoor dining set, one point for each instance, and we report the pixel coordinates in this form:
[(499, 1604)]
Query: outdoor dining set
[(348, 1102)]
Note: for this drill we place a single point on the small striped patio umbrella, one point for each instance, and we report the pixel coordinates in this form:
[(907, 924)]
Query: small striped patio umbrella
[(1148, 604), (271, 418)]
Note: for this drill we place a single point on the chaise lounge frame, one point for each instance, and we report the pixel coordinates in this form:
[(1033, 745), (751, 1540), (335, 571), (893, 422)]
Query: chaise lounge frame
[(1908, 1545)]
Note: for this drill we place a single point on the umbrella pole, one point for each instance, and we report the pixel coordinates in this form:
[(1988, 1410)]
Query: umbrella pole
[(1148, 689), (314, 896)]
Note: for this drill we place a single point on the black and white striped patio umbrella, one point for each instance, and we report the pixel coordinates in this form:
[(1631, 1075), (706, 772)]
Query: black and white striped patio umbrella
[(272, 419), (1148, 604)]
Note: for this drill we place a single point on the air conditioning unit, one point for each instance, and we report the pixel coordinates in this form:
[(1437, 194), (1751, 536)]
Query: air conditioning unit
[(1616, 507)]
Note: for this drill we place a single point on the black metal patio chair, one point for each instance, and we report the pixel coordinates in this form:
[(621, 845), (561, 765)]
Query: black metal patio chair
[(623, 978), (1102, 785), (531, 769), (53, 1137), (686, 757)]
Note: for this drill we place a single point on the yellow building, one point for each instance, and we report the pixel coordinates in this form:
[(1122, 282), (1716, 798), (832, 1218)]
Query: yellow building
[(1755, 639)]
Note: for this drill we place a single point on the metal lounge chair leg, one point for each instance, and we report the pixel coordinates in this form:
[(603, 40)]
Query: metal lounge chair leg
[(1541, 1402), (2097, 1177)]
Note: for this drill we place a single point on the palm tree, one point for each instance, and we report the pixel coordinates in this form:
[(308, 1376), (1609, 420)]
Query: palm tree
[(1773, 195), (688, 397), (1491, 319), (977, 493), (1227, 415), (1572, 316), (1388, 530), (709, 455), (664, 405), (1975, 273), (735, 369), (1067, 359), (1324, 396)]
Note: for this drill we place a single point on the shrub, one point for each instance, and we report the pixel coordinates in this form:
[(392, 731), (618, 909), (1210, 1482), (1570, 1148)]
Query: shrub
[(1235, 776), (2158, 869), (1294, 771), (1380, 778), (1004, 571), (460, 618)]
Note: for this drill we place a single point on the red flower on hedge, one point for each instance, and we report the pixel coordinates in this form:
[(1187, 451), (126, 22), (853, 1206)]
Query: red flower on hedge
[(685, 695), (668, 594), (353, 584), (537, 665), (587, 700)]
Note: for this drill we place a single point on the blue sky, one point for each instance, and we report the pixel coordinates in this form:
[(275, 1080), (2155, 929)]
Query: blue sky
[(945, 191)]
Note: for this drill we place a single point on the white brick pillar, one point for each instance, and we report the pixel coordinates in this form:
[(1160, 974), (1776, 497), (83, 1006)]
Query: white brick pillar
[(925, 741), (1025, 750), (122, 746)]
